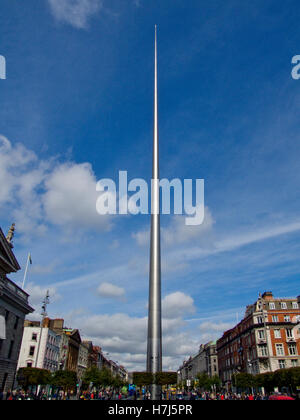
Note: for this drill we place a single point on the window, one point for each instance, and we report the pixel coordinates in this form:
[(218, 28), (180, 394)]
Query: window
[(295, 305), (272, 305), (29, 365), (34, 337), (10, 349), (283, 305), (16, 322), (6, 315), (287, 318), (264, 350), (259, 320), (31, 351), (279, 350), (274, 318), (292, 350), (281, 364), (289, 333), (294, 363), (261, 334), (277, 333)]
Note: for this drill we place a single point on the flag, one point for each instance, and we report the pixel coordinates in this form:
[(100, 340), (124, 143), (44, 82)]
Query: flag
[(29, 258)]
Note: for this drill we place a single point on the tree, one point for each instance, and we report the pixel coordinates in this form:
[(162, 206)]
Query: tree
[(117, 382), (266, 381), (287, 378), (64, 379), (165, 378), (91, 375), (143, 378), (27, 377), (244, 381), (106, 378), (204, 381), (294, 378), (215, 382)]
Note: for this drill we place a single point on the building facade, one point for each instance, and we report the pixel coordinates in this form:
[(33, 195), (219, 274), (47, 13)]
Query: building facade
[(40, 347), (70, 342), (205, 361), (83, 360), (14, 307), (266, 340)]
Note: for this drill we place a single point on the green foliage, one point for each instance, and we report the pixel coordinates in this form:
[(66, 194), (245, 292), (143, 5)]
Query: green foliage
[(92, 375), (244, 381), (204, 382), (106, 378), (143, 378), (32, 377), (288, 378), (118, 382), (216, 381), (166, 378), (65, 379), (283, 378), (101, 378), (266, 380)]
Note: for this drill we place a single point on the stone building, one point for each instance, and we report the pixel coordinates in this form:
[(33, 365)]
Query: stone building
[(83, 360), (205, 361), (266, 340), (13, 309), (40, 347), (69, 343)]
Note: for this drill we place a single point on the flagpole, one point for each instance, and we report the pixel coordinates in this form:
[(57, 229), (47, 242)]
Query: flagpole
[(26, 270)]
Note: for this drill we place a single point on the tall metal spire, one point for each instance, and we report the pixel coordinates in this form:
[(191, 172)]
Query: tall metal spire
[(154, 352)]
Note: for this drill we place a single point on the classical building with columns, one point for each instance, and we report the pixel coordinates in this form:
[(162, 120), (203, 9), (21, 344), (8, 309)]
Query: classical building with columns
[(14, 307)]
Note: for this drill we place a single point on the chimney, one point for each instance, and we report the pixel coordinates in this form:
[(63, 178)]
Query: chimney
[(268, 296), (57, 324), (46, 323)]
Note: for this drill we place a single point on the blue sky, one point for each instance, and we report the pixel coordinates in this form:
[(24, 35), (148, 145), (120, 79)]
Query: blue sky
[(76, 107)]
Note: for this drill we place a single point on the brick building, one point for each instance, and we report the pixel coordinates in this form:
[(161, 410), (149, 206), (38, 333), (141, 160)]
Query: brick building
[(267, 339), (13, 309)]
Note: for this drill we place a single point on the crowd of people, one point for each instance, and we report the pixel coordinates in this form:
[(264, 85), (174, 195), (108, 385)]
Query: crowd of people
[(133, 394)]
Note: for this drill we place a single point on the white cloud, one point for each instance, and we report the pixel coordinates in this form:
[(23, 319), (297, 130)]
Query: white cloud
[(177, 304), (75, 12), (70, 197), (35, 192), (125, 337), (109, 290)]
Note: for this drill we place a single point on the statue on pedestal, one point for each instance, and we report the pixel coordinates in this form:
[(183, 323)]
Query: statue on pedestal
[(11, 233)]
